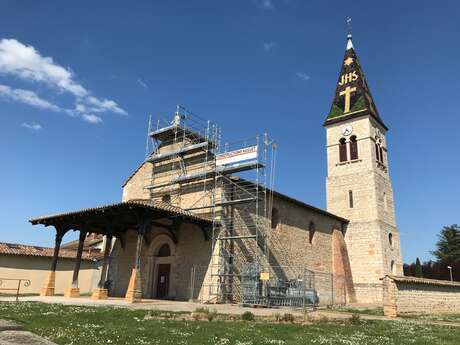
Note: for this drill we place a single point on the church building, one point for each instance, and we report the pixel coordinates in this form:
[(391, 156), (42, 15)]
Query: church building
[(199, 219)]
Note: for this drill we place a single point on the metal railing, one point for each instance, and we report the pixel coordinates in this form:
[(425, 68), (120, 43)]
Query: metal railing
[(15, 285)]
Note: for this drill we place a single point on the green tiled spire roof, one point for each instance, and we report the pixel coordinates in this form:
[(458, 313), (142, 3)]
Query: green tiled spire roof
[(352, 96)]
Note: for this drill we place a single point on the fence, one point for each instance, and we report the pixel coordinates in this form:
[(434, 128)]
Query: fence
[(13, 285), (277, 286)]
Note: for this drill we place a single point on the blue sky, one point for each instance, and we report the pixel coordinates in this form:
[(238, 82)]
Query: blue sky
[(77, 80)]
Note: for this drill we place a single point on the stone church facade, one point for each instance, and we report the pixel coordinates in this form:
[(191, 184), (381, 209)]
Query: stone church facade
[(355, 241), (237, 248)]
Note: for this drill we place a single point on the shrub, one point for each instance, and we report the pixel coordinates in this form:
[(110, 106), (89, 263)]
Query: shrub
[(202, 310), (247, 316), (288, 317), (355, 319), (211, 315)]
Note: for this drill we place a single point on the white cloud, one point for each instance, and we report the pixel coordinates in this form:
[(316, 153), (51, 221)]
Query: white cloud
[(27, 97), (302, 76), (26, 63), (142, 83), (91, 118), (33, 126), (104, 105), (269, 46)]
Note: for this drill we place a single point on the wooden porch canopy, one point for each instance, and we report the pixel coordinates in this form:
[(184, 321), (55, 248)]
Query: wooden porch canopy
[(115, 220)]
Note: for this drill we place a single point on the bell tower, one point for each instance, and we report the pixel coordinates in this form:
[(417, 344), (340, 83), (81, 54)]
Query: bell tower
[(358, 181)]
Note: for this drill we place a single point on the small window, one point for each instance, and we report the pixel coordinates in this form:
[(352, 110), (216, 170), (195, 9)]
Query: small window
[(275, 218), (392, 267), (311, 232), (164, 251), (353, 148), (342, 150), (377, 152), (350, 198), (381, 154), (390, 239), (166, 198)]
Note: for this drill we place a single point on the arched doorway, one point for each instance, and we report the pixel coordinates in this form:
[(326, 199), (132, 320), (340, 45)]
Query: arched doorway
[(162, 252), (163, 273)]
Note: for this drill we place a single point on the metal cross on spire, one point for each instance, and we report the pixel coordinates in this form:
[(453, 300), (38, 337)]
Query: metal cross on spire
[(349, 25)]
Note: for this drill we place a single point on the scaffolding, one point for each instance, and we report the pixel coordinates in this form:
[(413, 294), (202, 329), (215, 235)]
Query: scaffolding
[(230, 183)]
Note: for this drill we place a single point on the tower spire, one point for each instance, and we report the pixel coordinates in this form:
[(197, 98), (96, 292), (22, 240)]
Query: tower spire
[(349, 42), (352, 96)]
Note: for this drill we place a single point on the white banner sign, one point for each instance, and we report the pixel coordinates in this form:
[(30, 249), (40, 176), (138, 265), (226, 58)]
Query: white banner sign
[(237, 155)]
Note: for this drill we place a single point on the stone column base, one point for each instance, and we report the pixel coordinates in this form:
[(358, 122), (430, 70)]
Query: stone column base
[(100, 294), (48, 288), (134, 292), (72, 292)]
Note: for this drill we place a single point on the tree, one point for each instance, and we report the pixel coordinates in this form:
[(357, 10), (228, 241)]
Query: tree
[(448, 245), (418, 269)]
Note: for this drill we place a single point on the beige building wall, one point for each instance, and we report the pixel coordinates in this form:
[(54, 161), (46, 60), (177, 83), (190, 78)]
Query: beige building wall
[(372, 218), (36, 269)]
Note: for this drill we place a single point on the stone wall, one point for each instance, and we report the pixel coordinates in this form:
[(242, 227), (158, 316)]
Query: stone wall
[(190, 249), (301, 240), (410, 295)]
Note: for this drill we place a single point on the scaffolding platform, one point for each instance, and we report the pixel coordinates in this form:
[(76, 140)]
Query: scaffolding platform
[(224, 170), (176, 131), (190, 149), (229, 183)]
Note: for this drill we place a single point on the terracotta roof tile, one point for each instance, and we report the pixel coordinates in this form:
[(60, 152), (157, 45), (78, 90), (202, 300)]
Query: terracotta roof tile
[(408, 279), (26, 250), (148, 204)]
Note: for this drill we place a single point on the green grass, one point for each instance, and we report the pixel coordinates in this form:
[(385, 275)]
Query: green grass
[(365, 311), (434, 317), (78, 325)]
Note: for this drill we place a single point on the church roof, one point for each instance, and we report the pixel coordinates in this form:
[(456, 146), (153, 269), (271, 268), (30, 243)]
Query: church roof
[(352, 97)]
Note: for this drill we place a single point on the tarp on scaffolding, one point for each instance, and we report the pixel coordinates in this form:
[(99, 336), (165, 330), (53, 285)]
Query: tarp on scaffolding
[(239, 155)]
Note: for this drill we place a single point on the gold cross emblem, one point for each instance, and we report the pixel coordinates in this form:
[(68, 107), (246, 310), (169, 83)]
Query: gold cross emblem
[(348, 61), (347, 93)]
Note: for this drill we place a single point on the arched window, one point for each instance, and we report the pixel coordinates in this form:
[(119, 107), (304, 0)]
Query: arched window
[(275, 218), (377, 152), (353, 148), (311, 232), (164, 250), (390, 239), (381, 153), (350, 199), (392, 267), (343, 150)]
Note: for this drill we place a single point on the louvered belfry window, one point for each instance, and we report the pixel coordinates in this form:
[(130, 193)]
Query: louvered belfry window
[(353, 148), (343, 150)]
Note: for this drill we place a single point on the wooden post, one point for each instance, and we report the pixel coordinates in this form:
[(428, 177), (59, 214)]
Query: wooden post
[(101, 292), (74, 291), (134, 292), (50, 283)]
